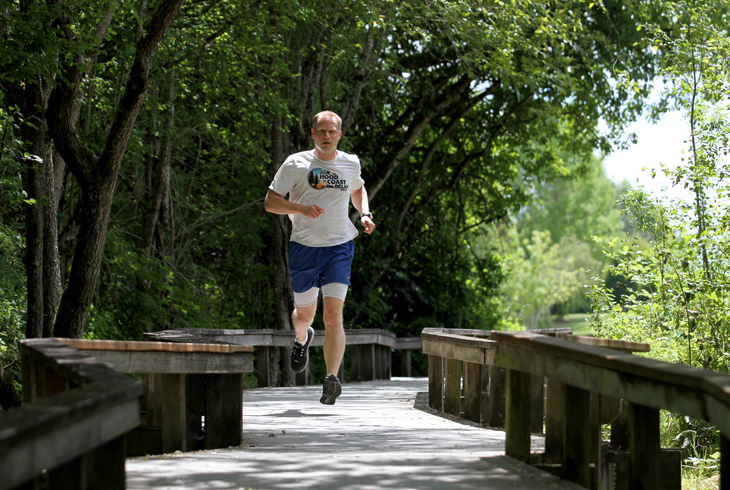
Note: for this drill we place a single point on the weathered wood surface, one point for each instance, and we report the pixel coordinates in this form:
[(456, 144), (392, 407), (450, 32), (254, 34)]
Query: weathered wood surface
[(461, 347), (373, 438), (407, 343), (145, 346), (185, 362), (275, 338), (610, 343), (185, 382), (370, 349), (587, 378), (487, 334), (74, 428), (682, 389)]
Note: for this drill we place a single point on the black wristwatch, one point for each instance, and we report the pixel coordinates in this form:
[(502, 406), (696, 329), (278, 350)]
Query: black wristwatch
[(369, 215)]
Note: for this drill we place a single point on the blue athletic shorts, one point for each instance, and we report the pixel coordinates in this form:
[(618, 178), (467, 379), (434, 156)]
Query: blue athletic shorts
[(313, 267)]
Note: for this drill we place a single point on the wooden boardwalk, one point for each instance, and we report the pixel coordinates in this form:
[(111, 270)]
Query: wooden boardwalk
[(380, 434)]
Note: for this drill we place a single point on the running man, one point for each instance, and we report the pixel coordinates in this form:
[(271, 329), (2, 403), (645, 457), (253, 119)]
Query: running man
[(320, 184)]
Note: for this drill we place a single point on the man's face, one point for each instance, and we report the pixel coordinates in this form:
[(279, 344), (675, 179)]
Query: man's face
[(326, 136)]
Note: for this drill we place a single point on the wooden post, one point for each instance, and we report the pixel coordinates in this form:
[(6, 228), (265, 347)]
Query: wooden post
[(537, 395), (594, 430), (172, 396), (517, 415), (473, 392), (378, 362), (68, 476), (194, 411), (388, 355), (153, 400), (497, 389), (224, 410), (263, 372), (367, 362), (485, 404), (436, 382), (355, 363), (578, 436), (104, 467), (554, 421), (452, 391), (620, 427), (405, 363), (100, 468), (644, 450)]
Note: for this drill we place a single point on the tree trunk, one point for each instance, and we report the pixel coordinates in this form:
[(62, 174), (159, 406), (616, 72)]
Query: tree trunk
[(85, 268), (97, 175), (42, 264), (51, 260)]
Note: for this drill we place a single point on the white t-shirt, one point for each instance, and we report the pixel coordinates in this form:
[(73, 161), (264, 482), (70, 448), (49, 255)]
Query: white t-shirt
[(309, 180)]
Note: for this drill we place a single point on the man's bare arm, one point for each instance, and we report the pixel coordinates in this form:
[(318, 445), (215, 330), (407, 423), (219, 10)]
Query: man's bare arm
[(361, 203), (277, 204)]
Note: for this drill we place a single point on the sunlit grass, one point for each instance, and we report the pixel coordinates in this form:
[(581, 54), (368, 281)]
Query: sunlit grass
[(692, 481), (577, 321)]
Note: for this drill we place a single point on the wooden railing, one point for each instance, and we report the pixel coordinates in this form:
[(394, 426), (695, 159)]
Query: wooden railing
[(69, 432), (370, 349), (184, 384), (589, 383)]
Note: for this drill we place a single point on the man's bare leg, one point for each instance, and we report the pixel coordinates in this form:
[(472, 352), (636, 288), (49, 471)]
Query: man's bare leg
[(302, 318), (334, 338)]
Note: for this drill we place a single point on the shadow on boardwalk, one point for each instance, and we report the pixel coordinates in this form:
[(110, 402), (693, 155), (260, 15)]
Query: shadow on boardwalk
[(373, 438)]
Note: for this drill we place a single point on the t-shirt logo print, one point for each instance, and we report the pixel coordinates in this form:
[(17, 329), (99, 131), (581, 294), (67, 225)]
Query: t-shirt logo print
[(320, 178)]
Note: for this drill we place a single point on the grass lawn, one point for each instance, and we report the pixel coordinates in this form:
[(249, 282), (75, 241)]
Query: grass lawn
[(578, 321)]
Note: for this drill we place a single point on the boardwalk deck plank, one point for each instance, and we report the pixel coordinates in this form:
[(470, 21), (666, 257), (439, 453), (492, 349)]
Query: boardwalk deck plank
[(373, 438)]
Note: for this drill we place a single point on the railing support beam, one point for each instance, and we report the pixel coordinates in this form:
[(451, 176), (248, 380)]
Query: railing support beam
[(436, 382), (452, 395), (517, 415), (577, 436), (644, 450)]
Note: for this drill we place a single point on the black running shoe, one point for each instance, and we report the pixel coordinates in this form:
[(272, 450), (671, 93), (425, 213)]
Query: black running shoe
[(331, 390), (300, 353)]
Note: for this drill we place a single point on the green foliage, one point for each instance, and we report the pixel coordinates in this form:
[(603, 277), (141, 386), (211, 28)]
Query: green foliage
[(670, 301), (457, 110), (547, 252), (539, 275), (12, 277), (675, 294), (12, 294), (698, 441), (11, 152)]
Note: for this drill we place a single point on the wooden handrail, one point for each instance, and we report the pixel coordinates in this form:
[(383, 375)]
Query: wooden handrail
[(370, 349), (75, 407), (137, 346), (267, 337), (580, 369), (678, 388)]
